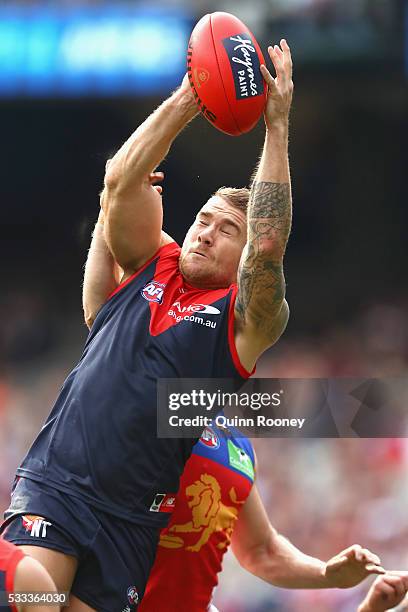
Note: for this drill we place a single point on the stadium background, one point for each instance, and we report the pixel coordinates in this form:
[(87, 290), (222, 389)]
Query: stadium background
[(346, 261)]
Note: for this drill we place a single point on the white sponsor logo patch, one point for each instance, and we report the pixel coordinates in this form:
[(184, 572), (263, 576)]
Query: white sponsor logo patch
[(201, 308), (36, 526)]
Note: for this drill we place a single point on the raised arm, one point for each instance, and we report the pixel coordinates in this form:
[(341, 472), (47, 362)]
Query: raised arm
[(132, 207), (99, 275), (261, 311), (261, 550), (102, 273)]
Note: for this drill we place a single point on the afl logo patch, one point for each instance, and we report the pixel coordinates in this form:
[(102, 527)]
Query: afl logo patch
[(209, 438), (132, 595), (153, 292)]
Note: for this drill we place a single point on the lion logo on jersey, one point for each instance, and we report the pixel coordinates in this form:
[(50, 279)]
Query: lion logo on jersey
[(209, 515)]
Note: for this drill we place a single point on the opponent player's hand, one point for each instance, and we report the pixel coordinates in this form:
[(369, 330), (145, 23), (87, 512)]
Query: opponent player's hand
[(386, 592), (351, 566), (280, 89)]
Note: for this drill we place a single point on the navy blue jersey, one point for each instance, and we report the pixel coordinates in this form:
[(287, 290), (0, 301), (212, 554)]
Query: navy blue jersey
[(99, 442)]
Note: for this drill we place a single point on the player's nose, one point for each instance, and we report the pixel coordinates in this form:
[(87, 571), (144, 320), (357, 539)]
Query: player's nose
[(206, 236)]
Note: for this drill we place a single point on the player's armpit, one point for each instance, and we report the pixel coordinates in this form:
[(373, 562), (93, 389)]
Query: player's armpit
[(250, 343)]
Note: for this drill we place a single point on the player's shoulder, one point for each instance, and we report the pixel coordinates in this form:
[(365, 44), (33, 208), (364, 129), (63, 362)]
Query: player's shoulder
[(166, 239), (169, 249)]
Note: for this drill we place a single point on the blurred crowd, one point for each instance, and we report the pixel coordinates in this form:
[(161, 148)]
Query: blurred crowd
[(324, 494)]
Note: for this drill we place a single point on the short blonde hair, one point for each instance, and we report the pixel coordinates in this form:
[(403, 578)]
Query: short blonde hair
[(238, 197)]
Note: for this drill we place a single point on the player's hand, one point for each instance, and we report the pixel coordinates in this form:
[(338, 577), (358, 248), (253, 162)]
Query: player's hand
[(185, 84), (386, 592), (188, 97), (154, 178), (351, 566), (280, 89)]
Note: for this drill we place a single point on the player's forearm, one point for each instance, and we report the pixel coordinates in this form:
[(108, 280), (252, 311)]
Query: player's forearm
[(274, 163), (99, 277), (270, 205), (150, 143), (283, 565), (261, 281)]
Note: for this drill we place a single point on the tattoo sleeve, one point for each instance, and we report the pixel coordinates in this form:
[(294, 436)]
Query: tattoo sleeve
[(261, 283)]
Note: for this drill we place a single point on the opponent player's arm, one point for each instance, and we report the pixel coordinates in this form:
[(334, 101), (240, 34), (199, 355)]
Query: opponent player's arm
[(132, 207), (31, 577), (386, 592), (270, 556), (261, 312)]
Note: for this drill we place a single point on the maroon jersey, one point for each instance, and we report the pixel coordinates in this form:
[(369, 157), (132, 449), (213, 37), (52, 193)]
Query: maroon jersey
[(215, 484), (10, 556)]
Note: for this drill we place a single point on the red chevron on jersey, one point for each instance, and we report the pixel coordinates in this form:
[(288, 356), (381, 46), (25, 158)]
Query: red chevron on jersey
[(10, 556), (179, 302)]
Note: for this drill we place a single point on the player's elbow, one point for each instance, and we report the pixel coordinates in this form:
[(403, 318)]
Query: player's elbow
[(272, 250), (113, 178), (89, 316), (89, 321), (261, 560), (124, 172), (254, 559)]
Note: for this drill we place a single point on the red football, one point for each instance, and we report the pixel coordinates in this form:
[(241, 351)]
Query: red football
[(223, 64)]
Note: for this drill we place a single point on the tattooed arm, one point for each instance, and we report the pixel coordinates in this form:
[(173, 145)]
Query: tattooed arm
[(261, 311)]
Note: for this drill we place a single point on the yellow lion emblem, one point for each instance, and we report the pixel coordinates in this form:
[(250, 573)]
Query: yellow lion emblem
[(209, 515)]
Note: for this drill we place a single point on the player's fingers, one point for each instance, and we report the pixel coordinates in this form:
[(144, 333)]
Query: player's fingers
[(270, 81), (386, 591), (397, 583), (372, 568), (337, 562), (368, 556), (279, 51), (156, 177), (287, 57), (398, 573), (353, 552), (277, 62)]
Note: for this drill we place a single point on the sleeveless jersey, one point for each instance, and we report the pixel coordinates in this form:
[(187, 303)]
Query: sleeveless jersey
[(216, 481), (10, 556), (100, 441)]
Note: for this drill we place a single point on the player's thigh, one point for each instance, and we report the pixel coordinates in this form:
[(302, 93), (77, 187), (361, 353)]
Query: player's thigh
[(61, 567), (76, 605)]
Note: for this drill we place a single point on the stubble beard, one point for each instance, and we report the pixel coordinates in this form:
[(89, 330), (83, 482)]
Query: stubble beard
[(201, 276)]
